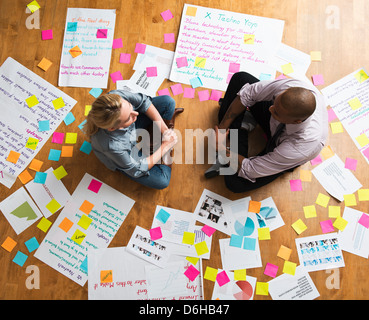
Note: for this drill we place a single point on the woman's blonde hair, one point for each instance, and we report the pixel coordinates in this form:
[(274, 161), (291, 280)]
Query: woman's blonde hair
[(104, 114)]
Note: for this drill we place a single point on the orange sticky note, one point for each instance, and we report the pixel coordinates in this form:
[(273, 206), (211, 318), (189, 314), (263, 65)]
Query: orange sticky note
[(75, 51), (9, 244), (13, 156), (45, 64), (254, 206), (106, 276), (67, 151), (25, 176), (66, 224), (191, 11), (284, 252), (86, 207), (36, 165)]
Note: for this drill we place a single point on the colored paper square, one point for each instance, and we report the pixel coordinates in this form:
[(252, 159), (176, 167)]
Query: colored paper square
[(364, 220), (271, 270), (36, 165), (155, 233), (249, 38), (67, 151), (71, 137), (13, 156), (140, 48), (182, 62), (40, 177), (201, 248), (336, 127), (299, 226), (9, 244), (164, 92), (151, 72), (236, 241), (262, 288), (20, 258), (222, 278), (200, 62), (86, 147), (350, 200), (326, 226), (296, 185), (32, 101), (45, 64), (60, 173), (362, 140), (66, 224), (322, 200), (188, 238), (166, 15), (32, 244), (215, 95), (189, 93), (95, 92), (350, 164), (106, 276), (44, 224), (309, 211), (196, 82), (287, 68), (366, 153), (47, 34), (75, 52), (125, 58), (284, 252), (340, 223), (305, 175), (361, 76), (72, 26), (33, 6), (162, 216), (203, 95), (355, 103), (115, 76), (210, 274), (316, 160), (229, 77), (265, 76), (58, 103), (327, 152), (54, 155), (53, 206), (239, 275), (86, 207), (289, 267), (249, 244), (234, 67), (94, 186), (315, 56), (25, 177), (208, 230), (117, 43), (78, 236), (191, 273), (177, 89), (193, 260), (363, 194), (254, 206), (331, 115), (84, 265), (88, 108), (58, 137), (264, 233), (102, 33), (318, 80), (84, 221), (191, 11), (69, 118), (334, 211), (169, 38), (43, 125)]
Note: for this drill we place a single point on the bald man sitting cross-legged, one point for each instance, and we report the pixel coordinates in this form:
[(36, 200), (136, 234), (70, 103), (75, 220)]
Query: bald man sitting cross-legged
[(292, 114)]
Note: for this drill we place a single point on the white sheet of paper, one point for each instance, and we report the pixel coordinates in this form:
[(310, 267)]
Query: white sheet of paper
[(276, 221), (335, 178)]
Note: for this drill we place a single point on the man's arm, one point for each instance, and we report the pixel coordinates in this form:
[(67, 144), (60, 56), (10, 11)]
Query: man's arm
[(234, 110), (155, 116)]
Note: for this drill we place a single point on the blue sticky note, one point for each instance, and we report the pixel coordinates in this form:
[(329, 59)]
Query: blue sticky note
[(72, 26), (82, 124), (162, 216), (44, 125), (20, 258), (86, 147), (32, 244), (69, 118), (196, 82), (265, 76), (236, 241), (40, 177), (54, 155), (95, 92), (249, 244), (83, 265)]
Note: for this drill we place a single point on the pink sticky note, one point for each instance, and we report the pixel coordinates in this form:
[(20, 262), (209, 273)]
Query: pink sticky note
[(208, 230), (115, 76), (296, 185), (125, 58), (234, 67), (350, 164), (189, 93), (169, 38), (166, 15), (318, 79), (281, 76), (102, 33), (366, 153), (331, 115), (140, 48), (229, 77), (326, 226), (364, 220), (117, 43), (271, 270), (164, 92), (47, 34), (216, 95), (316, 160), (222, 278), (203, 95), (191, 273), (151, 72), (155, 233), (94, 186), (58, 137), (177, 89), (182, 62)]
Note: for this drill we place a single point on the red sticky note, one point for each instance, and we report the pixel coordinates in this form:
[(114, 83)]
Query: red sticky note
[(94, 185), (47, 34), (167, 15), (191, 273), (155, 233), (208, 230), (222, 278), (296, 185), (151, 72), (115, 76), (102, 33), (140, 48), (364, 220), (326, 226)]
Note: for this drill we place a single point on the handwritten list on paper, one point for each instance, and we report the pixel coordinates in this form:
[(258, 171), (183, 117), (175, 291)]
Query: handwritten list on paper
[(91, 33), (215, 41)]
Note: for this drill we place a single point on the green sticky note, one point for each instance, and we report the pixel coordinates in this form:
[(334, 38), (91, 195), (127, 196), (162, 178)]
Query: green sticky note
[(78, 236), (24, 211), (53, 206), (44, 224), (84, 222)]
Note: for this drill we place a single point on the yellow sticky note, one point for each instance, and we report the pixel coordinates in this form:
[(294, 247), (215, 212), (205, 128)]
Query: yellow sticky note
[(262, 288), (361, 76), (287, 68), (239, 275), (284, 252), (32, 143), (289, 267), (188, 238), (36, 165), (200, 62), (44, 224), (78, 236), (60, 173), (350, 200), (299, 226), (310, 211), (13, 156), (210, 274), (201, 248), (87, 109), (264, 233), (322, 200), (305, 175), (32, 101), (106, 276), (33, 6), (340, 223), (45, 64), (86, 207), (363, 194), (249, 38), (9, 244), (193, 260), (71, 137), (58, 103), (315, 56), (75, 51), (84, 222), (327, 152), (254, 206), (67, 151), (191, 11), (355, 103), (25, 176), (336, 127), (334, 211), (362, 140), (53, 206)]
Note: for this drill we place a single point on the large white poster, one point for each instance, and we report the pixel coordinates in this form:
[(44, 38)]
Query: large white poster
[(214, 44)]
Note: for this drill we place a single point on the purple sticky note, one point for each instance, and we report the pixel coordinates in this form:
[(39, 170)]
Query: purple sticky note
[(155, 233), (115, 76), (318, 79), (191, 273), (102, 33), (151, 72), (364, 220), (222, 278), (271, 270), (177, 89), (350, 164), (117, 43), (140, 48), (182, 62), (208, 230), (47, 34), (169, 38), (94, 186), (189, 93), (316, 160), (234, 67), (203, 95), (125, 58), (326, 226), (296, 185), (166, 15), (164, 92), (216, 95), (58, 137)]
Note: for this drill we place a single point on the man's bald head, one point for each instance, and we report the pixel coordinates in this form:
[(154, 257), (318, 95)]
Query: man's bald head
[(299, 102)]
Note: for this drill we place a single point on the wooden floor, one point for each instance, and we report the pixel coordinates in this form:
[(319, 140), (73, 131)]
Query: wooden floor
[(308, 27)]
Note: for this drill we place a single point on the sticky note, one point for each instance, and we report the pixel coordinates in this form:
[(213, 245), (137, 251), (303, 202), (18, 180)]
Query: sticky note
[(327, 152), (102, 33), (40, 177), (203, 95), (265, 76), (305, 175), (336, 127), (20, 258), (117, 43), (140, 48), (164, 92), (72, 26), (289, 267), (236, 241), (45, 64), (309, 211), (363, 194), (239, 275), (182, 62), (169, 38), (200, 62), (25, 177), (340, 223), (86, 206), (254, 206), (32, 101), (264, 233), (125, 58), (65, 225), (361, 76), (271, 270), (284, 252), (84, 221), (208, 230), (287, 68), (106, 276), (189, 93), (60, 173), (58, 103), (78, 236), (44, 224), (9, 244), (191, 11), (322, 200), (188, 238), (296, 185), (58, 137), (215, 95), (249, 38), (84, 265), (315, 56), (249, 243), (94, 186), (318, 79), (262, 288), (355, 103), (151, 72), (196, 82), (210, 274), (299, 226), (362, 140), (162, 216), (13, 156), (191, 273), (350, 200), (75, 52), (32, 244), (155, 233), (364, 220), (334, 211), (47, 34), (115, 76), (54, 155), (67, 151), (33, 6), (201, 248), (69, 118), (331, 115), (326, 226), (86, 147), (234, 67), (193, 260), (350, 164), (43, 125), (177, 89), (71, 137), (316, 160), (166, 15), (36, 165), (95, 92), (53, 206), (88, 108), (222, 278)]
